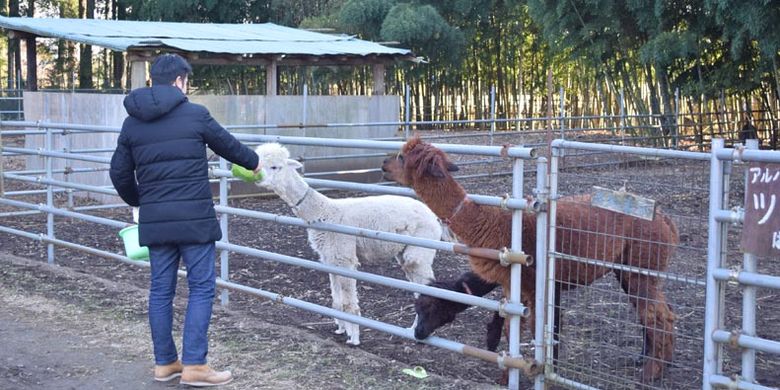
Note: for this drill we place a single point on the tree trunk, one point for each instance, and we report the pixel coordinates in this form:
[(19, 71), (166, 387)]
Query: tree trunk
[(9, 53), (14, 50), (668, 118), (118, 69), (499, 64), (86, 11), (655, 103)]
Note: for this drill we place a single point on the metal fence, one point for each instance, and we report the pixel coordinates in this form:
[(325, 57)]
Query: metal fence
[(602, 338), (599, 338), (605, 323), (741, 347), (50, 208), (11, 105)]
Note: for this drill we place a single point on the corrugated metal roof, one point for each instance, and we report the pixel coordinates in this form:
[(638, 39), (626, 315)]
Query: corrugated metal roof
[(258, 39)]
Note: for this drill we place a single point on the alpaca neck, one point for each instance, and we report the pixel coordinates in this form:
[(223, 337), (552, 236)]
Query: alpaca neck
[(306, 202), (443, 197), (293, 190), (312, 206)]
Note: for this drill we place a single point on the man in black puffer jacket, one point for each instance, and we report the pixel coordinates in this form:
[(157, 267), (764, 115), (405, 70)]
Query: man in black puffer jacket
[(160, 165)]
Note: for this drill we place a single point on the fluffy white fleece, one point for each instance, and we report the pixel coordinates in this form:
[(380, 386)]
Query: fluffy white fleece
[(395, 214)]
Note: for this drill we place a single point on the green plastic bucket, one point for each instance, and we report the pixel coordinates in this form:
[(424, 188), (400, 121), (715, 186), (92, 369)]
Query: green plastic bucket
[(133, 250)]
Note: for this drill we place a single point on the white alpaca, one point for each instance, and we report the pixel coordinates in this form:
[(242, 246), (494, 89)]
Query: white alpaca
[(395, 214)]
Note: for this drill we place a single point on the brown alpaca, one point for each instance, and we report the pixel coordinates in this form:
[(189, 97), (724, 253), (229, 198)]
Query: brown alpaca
[(582, 231)]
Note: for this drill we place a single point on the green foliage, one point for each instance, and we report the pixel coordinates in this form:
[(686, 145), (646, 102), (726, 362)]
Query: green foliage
[(668, 47), (702, 47), (422, 28), (364, 17), (214, 11), (293, 12)]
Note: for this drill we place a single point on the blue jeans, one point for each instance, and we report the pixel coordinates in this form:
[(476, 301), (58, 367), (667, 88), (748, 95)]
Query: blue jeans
[(201, 279)]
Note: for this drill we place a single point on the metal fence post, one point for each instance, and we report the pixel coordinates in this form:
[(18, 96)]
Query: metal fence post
[(675, 125), (2, 162), (712, 352), (224, 265), (303, 113), (562, 110), (67, 146), (303, 126), (516, 271), (749, 264), (723, 251), (492, 112), (622, 119), (407, 110), (49, 195), (549, 328), (541, 267)]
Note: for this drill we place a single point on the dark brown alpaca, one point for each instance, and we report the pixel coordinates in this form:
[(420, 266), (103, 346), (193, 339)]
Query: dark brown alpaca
[(433, 313), (582, 231)]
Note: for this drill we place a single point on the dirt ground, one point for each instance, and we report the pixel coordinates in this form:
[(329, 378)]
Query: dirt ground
[(65, 329), (100, 301)]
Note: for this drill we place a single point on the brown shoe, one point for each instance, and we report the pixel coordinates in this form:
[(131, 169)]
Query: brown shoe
[(168, 371), (203, 376)]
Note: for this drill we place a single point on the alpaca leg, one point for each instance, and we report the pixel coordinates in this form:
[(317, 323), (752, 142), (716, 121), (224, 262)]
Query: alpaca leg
[(528, 300), (525, 322), (350, 305), (416, 264), (494, 329), (556, 321), (657, 319), (336, 295)]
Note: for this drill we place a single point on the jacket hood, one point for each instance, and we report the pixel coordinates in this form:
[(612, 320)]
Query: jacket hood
[(150, 103)]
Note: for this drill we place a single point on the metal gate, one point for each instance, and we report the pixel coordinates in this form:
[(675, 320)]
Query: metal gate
[(626, 302)]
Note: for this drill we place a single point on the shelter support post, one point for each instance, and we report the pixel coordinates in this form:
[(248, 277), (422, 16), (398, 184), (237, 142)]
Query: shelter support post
[(270, 79), (379, 79), (137, 74)]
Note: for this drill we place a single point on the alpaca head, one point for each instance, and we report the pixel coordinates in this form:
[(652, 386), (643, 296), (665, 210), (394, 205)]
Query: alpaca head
[(417, 159), (277, 165), (433, 313)]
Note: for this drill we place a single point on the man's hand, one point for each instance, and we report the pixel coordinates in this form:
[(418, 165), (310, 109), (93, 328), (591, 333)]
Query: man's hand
[(259, 167)]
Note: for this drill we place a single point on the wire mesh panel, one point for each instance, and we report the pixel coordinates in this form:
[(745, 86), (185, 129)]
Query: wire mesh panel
[(630, 271)]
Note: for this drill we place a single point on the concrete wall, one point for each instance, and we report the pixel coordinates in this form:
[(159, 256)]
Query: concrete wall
[(93, 109), (107, 110)]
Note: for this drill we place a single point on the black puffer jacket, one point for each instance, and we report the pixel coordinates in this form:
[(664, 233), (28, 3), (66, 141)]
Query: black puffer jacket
[(160, 165)]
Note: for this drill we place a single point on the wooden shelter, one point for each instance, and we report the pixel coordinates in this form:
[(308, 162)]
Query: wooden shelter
[(263, 44)]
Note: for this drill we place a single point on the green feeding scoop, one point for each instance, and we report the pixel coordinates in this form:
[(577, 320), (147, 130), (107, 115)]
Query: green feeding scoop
[(245, 174)]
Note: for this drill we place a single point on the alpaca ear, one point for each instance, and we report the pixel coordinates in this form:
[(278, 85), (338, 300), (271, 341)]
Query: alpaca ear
[(452, 167), (436, 165), (294, 164), (435, 170)]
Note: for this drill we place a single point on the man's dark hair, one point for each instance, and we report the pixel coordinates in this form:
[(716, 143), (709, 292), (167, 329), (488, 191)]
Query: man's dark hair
[(167, 67)]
